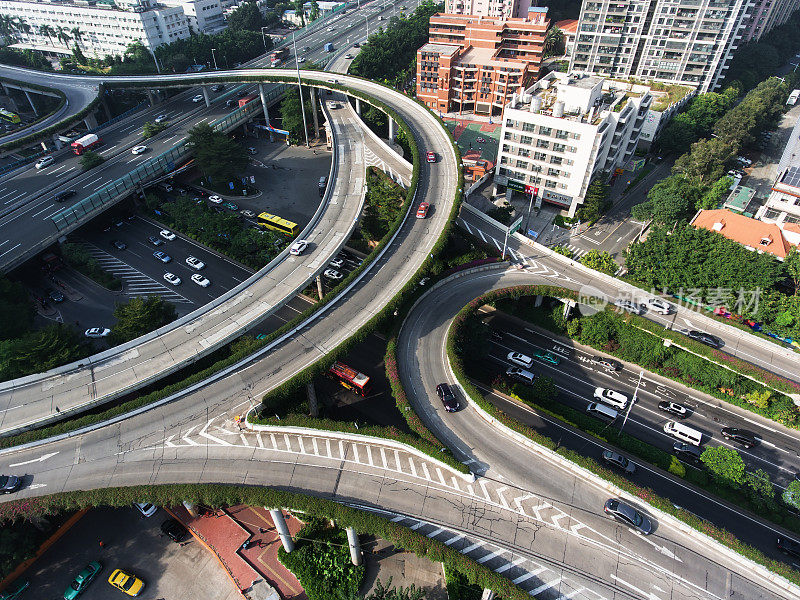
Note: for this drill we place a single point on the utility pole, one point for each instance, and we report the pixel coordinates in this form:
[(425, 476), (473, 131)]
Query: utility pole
[(214, 56), (300, 89), (264, 38), (633, 400)]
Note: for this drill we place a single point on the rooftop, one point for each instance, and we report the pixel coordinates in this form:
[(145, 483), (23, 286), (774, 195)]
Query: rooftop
[(790, 177), (751, 233), (568, 25), (486, 58), (441, 49)]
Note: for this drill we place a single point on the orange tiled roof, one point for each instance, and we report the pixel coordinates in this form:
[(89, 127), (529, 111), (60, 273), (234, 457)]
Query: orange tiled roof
[(568, 25), (744, 230)]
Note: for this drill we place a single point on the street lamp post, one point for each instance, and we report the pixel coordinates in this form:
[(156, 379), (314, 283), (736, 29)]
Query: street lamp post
[(366, 20), (264, 38), (214, 56), (300, 89)]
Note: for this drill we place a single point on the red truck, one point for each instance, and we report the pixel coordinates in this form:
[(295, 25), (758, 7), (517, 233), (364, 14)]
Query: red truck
[(85, 143), (246, 99), (278, 56)]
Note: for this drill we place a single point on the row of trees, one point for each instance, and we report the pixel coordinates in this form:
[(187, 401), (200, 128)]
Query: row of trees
[(390, 55), (697, 121)]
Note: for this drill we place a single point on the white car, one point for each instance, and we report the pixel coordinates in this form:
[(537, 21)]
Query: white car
[(332, 274), (301, 60), (331, 81), (298, 247), (167, 234), (147, 509), (200, 280), (660, 306), (520, 359), (139, 150), (161, 118), (45, 161), (336, 263), (630, 306), (198, 98), (348, 56), (195, 263), (215, 199), (97, 332), (610, 396), (172, 278)]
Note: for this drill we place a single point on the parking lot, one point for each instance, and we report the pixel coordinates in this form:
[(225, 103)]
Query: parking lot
[(135, 544)]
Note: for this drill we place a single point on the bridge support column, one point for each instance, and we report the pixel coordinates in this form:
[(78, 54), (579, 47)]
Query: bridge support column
[(538, 301), (59, 144), (90, 121), (283, 530), (392, 129), (355, 546), (152, 98), (568, 306), (263, 93), (319, 287), (190, 508), (314, 110), (358, 106), (11, 100), (487, 594), (313, 405), (30, 100), (206, 96), (106, 108)]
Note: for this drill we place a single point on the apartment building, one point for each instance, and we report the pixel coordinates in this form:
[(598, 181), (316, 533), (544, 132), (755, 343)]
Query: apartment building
[(767, 14), (783, 204), (501, 9), (564, 130), (104, 28), (474, 64), (675, 41), (203, 16)]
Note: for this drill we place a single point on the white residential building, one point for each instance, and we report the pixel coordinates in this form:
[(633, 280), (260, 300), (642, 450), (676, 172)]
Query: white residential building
[(566, 129), (504, 9), (783, 204), (204, 16), (104, 28)]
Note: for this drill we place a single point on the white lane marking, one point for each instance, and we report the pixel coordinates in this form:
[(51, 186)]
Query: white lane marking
[(35, 460)]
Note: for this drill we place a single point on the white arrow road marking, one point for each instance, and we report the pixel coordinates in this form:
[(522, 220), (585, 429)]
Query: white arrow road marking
[(36, 486), (35, 460), (650, 596), (662, 549), (168, 442)]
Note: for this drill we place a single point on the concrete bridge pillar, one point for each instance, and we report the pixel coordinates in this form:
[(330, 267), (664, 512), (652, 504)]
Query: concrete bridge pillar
[(59, 144), (358, 106), (30, 100), (568, 306), (392, 129), (355, 546), (11, 100), (262, 91), (487, 594), (152, 98), (283, 529), (319, 287), (313, 404), (90, 121), (538, 300), (106, 108), (314, 110), (206, 96)]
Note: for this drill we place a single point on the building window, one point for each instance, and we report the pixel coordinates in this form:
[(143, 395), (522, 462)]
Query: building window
[(545, 131), (521, 164), (542, 143)]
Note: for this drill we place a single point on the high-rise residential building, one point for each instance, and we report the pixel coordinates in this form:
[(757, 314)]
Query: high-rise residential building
[(565, 129), (766, 14), (102, 28), (675, 41), (502, 9), (475, 64), (204, 16)]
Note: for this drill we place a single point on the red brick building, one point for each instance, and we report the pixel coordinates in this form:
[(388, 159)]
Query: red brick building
[(474, 64)]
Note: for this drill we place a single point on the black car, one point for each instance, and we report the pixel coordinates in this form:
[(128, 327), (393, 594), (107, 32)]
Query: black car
[(688, 453), (705, 338), (607, 363), (155, 241), (217, 87), (789, 546), (746, 439), (119, 245), (628, 515), (615, 459), (174, 530), (63, 195), (447, 397), (230, 103), (56, 296), (9, 484)]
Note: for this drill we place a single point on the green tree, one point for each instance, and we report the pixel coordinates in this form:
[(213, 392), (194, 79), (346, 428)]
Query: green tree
[(715, 194), (141, 315), (705, 162), (151, 129), (792, 265), (725, 464), (553, 42), (16, 309), (389, 592), (291, 115), (218, 157), (600, 261), (47, 32), (18, 542), (760, 489), (544, 389), (246, 17), (90, 159), (40, 350), (792, 494), (596, 201), (314, 14), (598, 329)]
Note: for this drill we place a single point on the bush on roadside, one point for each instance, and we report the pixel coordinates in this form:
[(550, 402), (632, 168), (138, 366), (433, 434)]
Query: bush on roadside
[(79, 259)]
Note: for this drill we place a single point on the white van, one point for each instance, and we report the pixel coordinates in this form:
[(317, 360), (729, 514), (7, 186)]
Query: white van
[(683, 433), (602, 411), (611, 397), (521, 375)]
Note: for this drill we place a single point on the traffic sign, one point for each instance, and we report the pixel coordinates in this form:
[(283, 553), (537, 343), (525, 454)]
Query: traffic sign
[(515, 185), (532, 233), (515, 225)]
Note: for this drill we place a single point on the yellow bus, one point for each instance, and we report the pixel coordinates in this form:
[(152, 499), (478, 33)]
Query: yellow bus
[(7, 115), (278, 224)]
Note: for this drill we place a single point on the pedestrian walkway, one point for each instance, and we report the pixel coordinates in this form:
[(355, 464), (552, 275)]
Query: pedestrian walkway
[(136, 283), (576, 252)]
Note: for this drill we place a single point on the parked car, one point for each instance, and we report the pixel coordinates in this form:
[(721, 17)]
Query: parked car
[(167, 234), (630, 306), (660, 306), (172, 278), (336, 263), (332, 274), (155, 241), (139, 150), (673, 408), (744, 438), (520, 359), (147, 509), (430, 156), (56, 296), (195, 263), (200, 280), (447, 397), (298, 247), (249, 214), (609, 364), (63, 195), (788, 546), (126, 582), (628, 515), (158, 255), (173, 529), (215, 198), (82, 580), (10, 484), (615, 459), (705, 338), (422, 211), (97, 332), (119, 244), (231, 206)]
